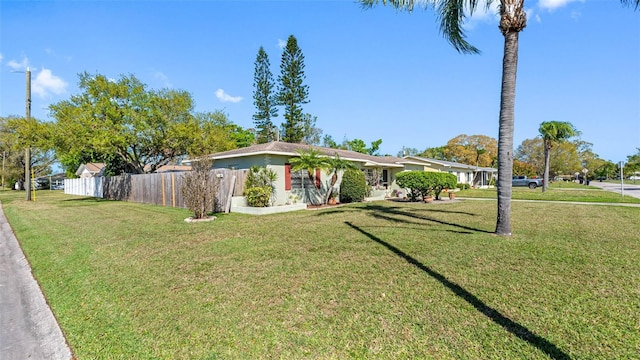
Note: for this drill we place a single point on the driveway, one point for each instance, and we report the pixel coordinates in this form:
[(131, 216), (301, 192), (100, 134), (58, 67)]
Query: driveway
[(28, 329), (630, 189)]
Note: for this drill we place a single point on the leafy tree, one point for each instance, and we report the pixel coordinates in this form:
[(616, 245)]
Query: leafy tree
[(523, 168), (133, 129), (553, 132), (564, 158), (16, 133), (435, 153), (292, 93), (311, 133), (360, 146), (407, 151), (264, 99), (635, 158), (472, 150), (209, 132), (327, 141), (452, 15)]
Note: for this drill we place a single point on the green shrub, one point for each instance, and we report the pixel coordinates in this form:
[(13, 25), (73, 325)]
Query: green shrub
[(258, 196), (416, 183), (353, 187), (425, 183), (260, 178), (464, 186)]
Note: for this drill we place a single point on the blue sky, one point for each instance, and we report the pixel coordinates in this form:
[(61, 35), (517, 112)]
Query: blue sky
[(371, 73)]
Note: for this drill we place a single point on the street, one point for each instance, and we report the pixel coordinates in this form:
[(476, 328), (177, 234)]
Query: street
[(630, 189)]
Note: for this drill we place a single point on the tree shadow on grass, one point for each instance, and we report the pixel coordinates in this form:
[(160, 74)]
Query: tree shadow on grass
[(397, 220), (511, 326)]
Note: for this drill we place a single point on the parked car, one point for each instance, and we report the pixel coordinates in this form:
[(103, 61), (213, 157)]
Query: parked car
[(522, 180), (634, 177)]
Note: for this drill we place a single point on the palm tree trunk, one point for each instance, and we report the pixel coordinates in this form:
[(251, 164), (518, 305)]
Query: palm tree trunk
[(505, 134), (547, 155)]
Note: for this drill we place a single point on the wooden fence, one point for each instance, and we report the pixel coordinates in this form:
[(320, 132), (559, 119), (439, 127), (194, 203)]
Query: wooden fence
[(159, 189)]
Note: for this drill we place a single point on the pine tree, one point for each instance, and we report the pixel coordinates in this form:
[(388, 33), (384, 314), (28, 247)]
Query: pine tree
[(264, 99), (291, 92)]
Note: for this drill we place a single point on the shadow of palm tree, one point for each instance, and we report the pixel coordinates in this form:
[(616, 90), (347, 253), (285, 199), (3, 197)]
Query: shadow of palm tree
[(397, 220), (509, 325)]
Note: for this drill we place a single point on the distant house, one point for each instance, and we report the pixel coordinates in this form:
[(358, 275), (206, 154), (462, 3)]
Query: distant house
[(173, 168), (379, 170), (466, 174), (89, 170)]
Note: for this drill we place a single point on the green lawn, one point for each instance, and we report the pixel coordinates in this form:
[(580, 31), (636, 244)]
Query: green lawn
[(557, 191), (382, 280)]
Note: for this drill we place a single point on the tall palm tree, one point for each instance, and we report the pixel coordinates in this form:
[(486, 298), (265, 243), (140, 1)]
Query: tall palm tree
[(553, 132), (452, 14)]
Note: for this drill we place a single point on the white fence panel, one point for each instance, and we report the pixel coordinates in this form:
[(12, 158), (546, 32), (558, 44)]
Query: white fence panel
[(84, 187)]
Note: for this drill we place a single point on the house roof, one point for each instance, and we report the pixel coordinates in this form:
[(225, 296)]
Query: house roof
[(93, 168), (451, 164), (173, 168), (291, 149)]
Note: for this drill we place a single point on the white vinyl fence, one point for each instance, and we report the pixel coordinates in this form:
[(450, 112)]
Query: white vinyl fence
[(84, 186)]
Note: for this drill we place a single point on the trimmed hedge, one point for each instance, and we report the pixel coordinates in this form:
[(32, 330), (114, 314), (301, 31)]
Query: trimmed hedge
[(425, 183), (353, 187)]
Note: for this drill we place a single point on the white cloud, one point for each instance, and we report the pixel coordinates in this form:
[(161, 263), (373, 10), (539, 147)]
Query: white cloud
[(554, 4), (46, 83), (482, 15), (159, 75), (282, 43), (224, 97), (14, 65), (0, 58)]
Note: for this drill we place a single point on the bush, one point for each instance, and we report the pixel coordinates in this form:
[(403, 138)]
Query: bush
[(425, 183), (464, 186), (258, 196), (260, 183), (353, 187), (417, 184), (199, 188)]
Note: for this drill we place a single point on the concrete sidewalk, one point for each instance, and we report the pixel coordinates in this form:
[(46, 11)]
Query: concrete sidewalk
[(28, 329)]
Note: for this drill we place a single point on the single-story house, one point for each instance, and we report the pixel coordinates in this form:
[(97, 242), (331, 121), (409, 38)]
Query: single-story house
[(89, 170), (379, 170), (467, 174)]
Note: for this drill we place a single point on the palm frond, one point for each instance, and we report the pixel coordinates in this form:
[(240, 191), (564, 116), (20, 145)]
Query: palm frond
[(634, 3), (451, 14)]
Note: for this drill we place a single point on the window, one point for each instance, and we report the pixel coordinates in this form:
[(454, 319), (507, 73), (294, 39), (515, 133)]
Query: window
[(295, 179)]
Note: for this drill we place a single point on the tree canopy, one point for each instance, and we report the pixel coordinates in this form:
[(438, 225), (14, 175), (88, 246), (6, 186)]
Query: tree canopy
[(133, 129)]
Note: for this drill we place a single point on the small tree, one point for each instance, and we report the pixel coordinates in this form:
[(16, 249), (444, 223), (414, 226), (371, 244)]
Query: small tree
[(337, 164), (309, 160), (199, 188)]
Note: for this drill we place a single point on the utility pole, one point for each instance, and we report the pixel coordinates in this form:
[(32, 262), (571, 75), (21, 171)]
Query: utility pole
[(27, 150)]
